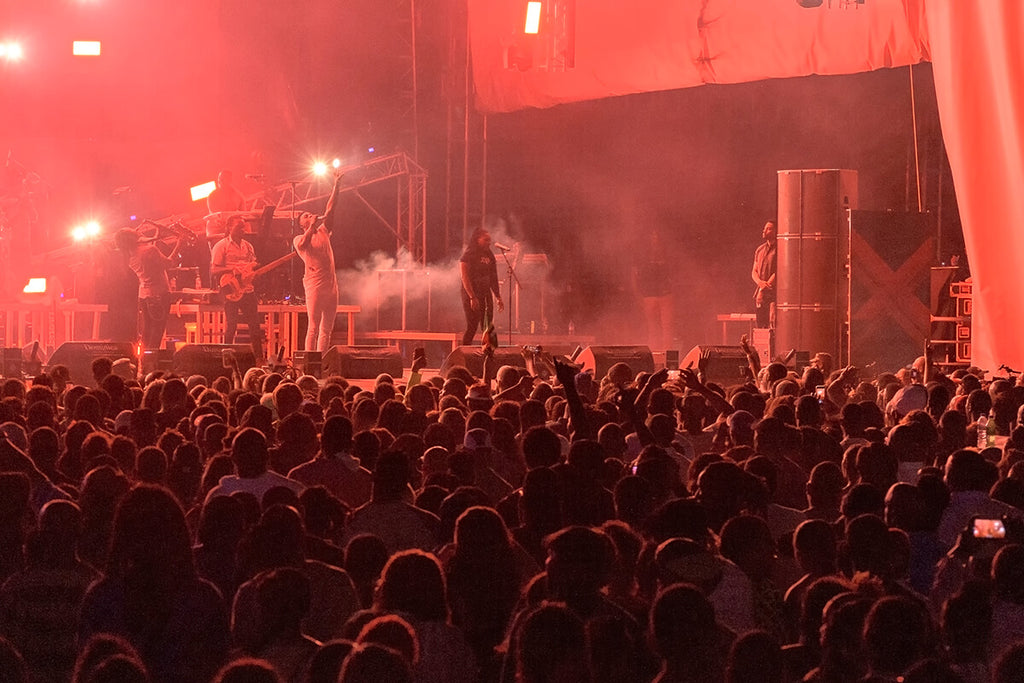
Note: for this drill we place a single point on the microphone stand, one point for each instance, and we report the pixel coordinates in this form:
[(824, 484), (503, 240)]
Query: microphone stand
[(512, 277)]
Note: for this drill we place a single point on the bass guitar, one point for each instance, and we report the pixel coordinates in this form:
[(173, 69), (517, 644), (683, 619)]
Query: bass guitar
[(233, 286)]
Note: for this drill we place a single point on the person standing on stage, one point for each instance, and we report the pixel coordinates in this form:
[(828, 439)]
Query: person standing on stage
[(763, 274), (320, 280), (236, 257), (479, 281), (150, 265)]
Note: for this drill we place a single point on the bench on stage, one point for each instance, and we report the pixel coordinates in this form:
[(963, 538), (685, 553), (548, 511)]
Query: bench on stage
[(411, 335), (51, 324), (282, 323)]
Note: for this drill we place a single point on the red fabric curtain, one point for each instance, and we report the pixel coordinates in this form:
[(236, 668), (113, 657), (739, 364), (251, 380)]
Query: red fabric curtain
[(978, 61)]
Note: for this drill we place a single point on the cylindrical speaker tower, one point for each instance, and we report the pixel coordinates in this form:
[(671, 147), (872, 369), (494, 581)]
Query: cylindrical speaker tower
[(813, 253)]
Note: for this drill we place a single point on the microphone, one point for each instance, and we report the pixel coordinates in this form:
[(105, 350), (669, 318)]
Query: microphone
[(499, 245)]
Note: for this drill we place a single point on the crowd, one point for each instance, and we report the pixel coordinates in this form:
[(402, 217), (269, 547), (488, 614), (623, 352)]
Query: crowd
[(551, 528)]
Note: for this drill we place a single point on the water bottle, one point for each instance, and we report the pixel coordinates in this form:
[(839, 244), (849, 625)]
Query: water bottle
[(990, 430), (983, 423)]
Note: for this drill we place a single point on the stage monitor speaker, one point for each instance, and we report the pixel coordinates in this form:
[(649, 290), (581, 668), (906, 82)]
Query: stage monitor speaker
[(362, 362), (208, 360), (472, 358), (599, 359), (724, 365), (78, 357), (12, 363), (154, 360), (309, 362)]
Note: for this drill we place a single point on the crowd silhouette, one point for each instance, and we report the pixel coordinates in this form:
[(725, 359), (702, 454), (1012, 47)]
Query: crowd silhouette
[(632, 527)]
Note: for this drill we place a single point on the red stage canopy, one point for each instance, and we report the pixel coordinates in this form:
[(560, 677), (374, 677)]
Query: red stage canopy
[(620, 48)]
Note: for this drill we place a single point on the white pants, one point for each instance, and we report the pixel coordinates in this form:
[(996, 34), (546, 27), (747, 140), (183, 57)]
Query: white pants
[(322, 307)]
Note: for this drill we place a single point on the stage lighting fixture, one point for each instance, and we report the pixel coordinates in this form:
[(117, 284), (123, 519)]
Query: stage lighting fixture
[(336, 163), (85, 48), (319, 168), (532, 18), (36, 285), (12, 52), (92, 229), (79, 233), (203, 191)]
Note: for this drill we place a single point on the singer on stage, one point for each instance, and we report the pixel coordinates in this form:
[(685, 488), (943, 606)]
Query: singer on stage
[(320, 280), (479, 281)]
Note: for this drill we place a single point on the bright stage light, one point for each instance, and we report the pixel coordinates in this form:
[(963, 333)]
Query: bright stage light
[(85, 48), (203, 191), (79, 233), (336, 163), (532, 18), (12, 52), (92, 229), (36, 285), (319, 168)]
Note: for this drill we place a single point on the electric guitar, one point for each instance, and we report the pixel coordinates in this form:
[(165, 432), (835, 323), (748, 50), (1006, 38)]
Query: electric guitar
[(233, 286)]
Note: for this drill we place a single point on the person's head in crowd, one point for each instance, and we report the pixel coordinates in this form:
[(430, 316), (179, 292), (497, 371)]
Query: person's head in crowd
[(287, 399), (868, 545), (1008, 574), (747, 541), (217, 467), (247, 670), (365, 557), (412, 582), (966, 624), (457, 502), (392, 631), (325, 665), (725, 490), (540, 506), (818, 594), (876, 465), (323, 512), (633, 500), (579, 563), (814, 547), (551, 645), (249, 453), (390, 476), (967, 470), (897, 633), (297, 438), (679, 518), (862, 499), (541, 448), (151, 466), (97, 649), (101, 367), (372, 662), (260, 418), (364, 415), (366, 447), (283, 600), (741, 428), (755, 656), (809, 412), (419, 398), (337, 435), (904, 507), (684, 634)]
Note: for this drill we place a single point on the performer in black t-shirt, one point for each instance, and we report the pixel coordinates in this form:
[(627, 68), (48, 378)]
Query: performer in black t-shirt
[(479, 281)]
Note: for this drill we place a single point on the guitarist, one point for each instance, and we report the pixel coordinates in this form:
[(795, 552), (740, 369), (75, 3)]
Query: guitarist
[(479, 281), (236, 257), (763, 274)]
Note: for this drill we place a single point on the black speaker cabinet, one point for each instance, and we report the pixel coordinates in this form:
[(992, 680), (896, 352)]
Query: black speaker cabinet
[(472, 358), (78, 357), (599, 359), (309, 362), (724, 365), (208, 360), (362, 362)]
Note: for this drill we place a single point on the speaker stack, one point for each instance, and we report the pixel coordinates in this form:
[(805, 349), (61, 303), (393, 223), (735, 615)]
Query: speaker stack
[(208, 360), (78, 357), (472, 358), (599, 359), (362, 362)]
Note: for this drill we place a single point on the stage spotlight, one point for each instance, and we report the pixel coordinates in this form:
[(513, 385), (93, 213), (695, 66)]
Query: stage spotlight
[(203, 191), (79, 233), (36, 285), (92, 229), (532, 18), (319, 168), (12, 52), (336, 163), (85, 48)]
